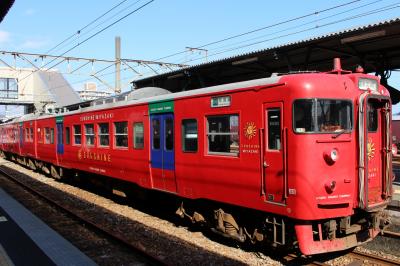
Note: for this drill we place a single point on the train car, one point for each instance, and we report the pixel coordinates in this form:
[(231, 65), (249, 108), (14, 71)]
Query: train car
[(294, 160)]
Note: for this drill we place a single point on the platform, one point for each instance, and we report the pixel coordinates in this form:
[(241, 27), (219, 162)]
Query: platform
[(26, 240)]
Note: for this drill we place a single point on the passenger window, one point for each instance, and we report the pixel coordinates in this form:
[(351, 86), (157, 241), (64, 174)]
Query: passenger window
[(104, 134), (121, 134), (89, 134), (189, 135), (47, 135), (156, 134), (39, 135), (77, 135), (223, 134), (67, 136), (274, 129), (138, 135), (31, 134), (52, 135), (169, 134)]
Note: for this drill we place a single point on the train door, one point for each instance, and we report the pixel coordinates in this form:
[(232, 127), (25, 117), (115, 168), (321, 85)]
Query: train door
[(377, 154), (274, 165), (163, 151), (60, 138)]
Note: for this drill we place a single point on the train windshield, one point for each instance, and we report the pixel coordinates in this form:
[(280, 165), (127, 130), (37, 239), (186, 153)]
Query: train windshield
[(322, 116)]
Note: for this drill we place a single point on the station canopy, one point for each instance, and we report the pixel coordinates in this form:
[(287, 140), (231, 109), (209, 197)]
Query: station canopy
[(375, 47)]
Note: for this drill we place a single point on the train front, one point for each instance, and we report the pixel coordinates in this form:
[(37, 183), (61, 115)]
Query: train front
[(340, 176)]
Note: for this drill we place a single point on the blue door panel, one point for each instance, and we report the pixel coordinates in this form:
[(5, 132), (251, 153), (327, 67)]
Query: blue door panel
[(60, 141), (162, 141)]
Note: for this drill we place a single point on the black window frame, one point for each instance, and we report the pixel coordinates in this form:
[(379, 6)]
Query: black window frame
[(125, 134), (101, 135), (184, 138)]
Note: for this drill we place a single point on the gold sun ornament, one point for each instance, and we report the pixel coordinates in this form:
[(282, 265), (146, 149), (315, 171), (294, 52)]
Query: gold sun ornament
[(370, 149), (250, 130)]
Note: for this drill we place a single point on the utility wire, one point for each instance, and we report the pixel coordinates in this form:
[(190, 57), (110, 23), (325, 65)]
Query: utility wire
[(78, 32), (379, 10), (265, 27), (81, 35)]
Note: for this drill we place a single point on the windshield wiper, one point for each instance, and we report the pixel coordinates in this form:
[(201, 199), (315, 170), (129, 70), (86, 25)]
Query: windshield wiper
[(340, 133)]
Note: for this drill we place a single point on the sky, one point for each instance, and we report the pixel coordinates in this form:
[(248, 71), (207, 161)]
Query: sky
[(161, 28)]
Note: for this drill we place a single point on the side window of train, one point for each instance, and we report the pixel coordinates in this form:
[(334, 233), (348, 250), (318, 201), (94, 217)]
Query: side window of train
[(39, 135), (31, 134), (138, 135), (89, 134), (77, 135), (104, 134), (47, 135), (67, 135), (27, 134), (223, 135), (274, 129), (121, 134), (51, 135), (189, 135)]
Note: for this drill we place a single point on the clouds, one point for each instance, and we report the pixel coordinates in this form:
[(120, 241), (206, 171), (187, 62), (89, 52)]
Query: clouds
[(5, 37)]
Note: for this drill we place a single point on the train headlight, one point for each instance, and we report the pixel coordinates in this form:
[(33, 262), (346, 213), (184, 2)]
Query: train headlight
[(330, 186), (331, 156)]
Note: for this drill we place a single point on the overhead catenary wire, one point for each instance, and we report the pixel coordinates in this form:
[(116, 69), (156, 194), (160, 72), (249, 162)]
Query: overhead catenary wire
[(379, 10), (263, 28), (78, 32)]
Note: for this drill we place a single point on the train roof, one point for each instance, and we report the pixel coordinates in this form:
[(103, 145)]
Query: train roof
[(134, 100)]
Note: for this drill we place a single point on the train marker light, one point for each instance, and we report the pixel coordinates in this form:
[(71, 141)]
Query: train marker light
[(331, 157)]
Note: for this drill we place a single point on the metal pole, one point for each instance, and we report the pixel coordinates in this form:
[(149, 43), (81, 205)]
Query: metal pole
[(117, 64)]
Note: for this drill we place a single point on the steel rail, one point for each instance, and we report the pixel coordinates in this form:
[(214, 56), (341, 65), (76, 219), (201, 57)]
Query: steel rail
[(136, 246), (373, 258)]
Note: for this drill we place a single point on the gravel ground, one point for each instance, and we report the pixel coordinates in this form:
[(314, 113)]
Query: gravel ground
[(186, 246)]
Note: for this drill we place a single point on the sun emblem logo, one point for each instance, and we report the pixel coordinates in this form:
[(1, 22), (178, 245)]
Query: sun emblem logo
[(250, 130), (370, 149)]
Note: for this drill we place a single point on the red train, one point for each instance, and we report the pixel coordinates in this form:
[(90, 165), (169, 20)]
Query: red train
[(299, 159)]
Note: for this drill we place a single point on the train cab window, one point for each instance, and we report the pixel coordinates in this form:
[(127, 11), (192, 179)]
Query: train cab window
[(169, 134), (274, 129), (138, 135), (189, 135), (322, 116), (104, 134), (223, 135), (155, 123), (121, 134), (67, 135), (77, 135), (89, 134), (47, 135), (372, 116), (51, 135)]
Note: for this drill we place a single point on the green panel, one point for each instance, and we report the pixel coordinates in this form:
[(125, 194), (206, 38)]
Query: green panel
[(21, 123), (161, 107), (59, 119)]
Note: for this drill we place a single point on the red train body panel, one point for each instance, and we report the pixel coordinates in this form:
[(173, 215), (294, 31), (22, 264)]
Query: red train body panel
[(307, 147)]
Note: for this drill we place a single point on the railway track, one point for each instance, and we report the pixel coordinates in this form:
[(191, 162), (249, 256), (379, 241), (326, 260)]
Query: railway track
[(157, 246), (370, 259), (144, 257)]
